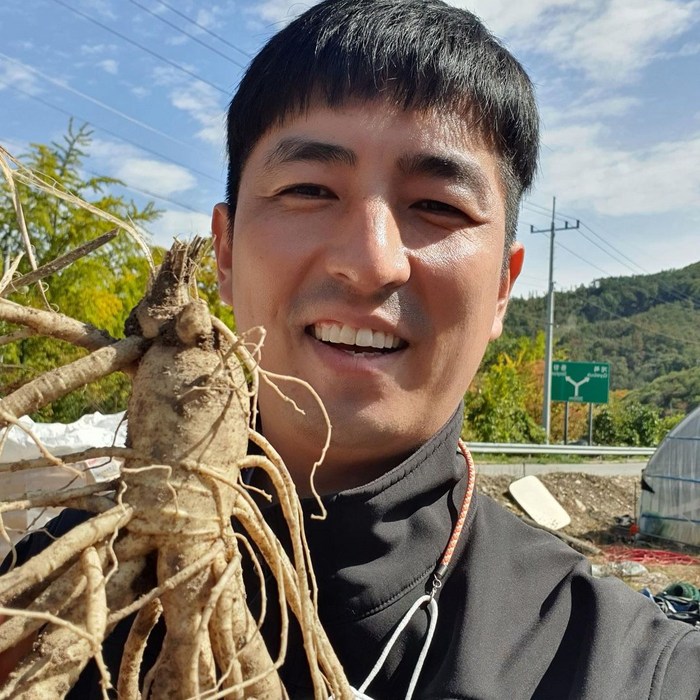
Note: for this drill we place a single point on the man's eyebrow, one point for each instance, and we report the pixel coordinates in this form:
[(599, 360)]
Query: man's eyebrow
[(451, 168), (295, 149)]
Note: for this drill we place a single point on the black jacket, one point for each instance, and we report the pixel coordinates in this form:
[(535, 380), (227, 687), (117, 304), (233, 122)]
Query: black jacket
[(520, 616)]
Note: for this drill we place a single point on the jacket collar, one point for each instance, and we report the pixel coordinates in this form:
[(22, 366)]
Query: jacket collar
[(384, 538)]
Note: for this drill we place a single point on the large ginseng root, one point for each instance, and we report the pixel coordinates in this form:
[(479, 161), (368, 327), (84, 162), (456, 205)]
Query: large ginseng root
[(167, 519)]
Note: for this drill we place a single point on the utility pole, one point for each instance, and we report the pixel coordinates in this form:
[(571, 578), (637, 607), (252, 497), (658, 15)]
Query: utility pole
[(549, 330)]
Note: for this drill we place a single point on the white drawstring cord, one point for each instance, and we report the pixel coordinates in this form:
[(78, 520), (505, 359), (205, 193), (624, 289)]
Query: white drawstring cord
[(432, 617), (359, 694)]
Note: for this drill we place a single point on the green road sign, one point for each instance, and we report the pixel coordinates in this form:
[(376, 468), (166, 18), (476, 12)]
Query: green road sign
[(583, 382)]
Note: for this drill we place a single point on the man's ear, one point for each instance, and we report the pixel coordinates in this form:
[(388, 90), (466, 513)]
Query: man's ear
[(222, 250), (508, 277)]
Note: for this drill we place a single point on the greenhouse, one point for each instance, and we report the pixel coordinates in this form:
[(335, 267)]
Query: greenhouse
[(669, 506)]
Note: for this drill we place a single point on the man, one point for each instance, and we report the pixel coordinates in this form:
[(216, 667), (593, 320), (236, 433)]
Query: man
[(378, 151)]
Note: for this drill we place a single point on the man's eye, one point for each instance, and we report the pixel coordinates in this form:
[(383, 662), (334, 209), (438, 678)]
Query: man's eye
[(436, 207), (307, 190)]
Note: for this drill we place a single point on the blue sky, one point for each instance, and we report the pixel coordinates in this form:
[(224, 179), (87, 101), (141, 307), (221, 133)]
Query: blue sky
[(618, 83)]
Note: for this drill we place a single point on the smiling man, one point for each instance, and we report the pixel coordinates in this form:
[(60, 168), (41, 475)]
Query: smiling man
[(378, 151)]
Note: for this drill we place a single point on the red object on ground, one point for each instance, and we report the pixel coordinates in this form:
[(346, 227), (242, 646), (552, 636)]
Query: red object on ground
[(648, 556)]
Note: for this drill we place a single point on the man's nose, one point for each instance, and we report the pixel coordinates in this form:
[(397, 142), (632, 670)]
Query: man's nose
[(367, 249)]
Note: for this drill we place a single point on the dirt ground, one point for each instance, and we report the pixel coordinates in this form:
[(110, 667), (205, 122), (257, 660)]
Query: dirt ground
[(593, 502)]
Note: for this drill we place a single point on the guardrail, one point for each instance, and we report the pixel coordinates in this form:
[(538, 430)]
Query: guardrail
[(527, 449)]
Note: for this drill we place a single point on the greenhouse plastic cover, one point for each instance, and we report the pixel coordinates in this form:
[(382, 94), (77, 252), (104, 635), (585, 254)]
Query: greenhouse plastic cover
[(93, 430), (672, 510)]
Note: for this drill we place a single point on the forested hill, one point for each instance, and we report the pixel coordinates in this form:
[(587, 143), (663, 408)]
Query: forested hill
[(646, 326)]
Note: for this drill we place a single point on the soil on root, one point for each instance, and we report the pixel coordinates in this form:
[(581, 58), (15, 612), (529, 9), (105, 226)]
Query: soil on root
[(593, 503)]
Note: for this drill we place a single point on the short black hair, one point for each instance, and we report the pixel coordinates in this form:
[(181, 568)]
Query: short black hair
[(419, 54)]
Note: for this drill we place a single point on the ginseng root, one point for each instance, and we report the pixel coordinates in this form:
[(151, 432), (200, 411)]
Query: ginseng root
[(167, 518)]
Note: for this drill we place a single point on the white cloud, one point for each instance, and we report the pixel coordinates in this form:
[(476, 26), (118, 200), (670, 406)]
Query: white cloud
[(180, 224), (207, 17), (93, 49), (662, 178), (608, 40), (109, 65), (112, 151), (177, 40), (689, 49), (590, 107), (101, 7), (15, 73), (274, 11), (128, 164), (612, 41), (201, 103), (154, 176), (140, 91), (168, 76), (505, 17), (616, 106)]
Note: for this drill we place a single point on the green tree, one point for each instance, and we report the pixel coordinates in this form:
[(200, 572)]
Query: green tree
[(628, 422), (499, 406), (100, 288)]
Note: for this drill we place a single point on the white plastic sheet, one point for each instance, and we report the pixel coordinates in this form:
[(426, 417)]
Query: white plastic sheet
[(93, 430)]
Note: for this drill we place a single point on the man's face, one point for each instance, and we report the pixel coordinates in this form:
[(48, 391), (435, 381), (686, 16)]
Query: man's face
[(368, 242)]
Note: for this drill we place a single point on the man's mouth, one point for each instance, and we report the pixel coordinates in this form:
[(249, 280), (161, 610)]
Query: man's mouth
[(356, 340)]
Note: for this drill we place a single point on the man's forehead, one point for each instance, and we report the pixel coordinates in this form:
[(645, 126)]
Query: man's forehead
[(458, 127), (460, 119)]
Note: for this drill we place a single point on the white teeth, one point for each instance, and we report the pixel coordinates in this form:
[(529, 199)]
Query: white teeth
[(364, 338), (334, 334), (347, 335), (361, 337)]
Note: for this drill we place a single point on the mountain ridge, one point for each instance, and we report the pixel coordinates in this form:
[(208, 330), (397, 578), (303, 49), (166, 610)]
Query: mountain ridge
[(646, 326)]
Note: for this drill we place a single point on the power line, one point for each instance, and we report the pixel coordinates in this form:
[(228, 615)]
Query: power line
[(600, 247), (588, 262), (99, 103), (141, 46), (664, 285), (670, 288), (532, 287), (187, 34), (675, 293), (154, 195), (203, 28), (544, 211), (658, 299), (617, 250), (110, 132), (623, 318)]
